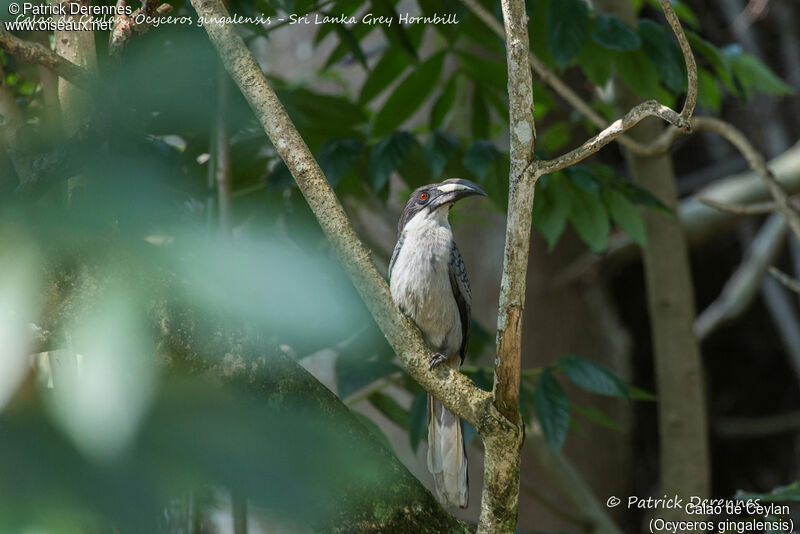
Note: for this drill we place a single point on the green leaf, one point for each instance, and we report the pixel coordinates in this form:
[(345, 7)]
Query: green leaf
[(387, 155), (610, 32), (386, 70), (408, 96), (596, 415), (438, 150), (665, 55), (756, 76), (715, 58), (585, 178), (357, 33), (592, 376), (353, 376), (708, 93), (551, 207), (396, 32), (625, 214), (374, 429), (589, 217), (390, 408), (635, 393), (683, 11), (444, 103), (554, 136), (567, 27), (596, 63), (487, 72), (638, 73), (346, 36), (552, 409), (337, 156), (788, 493), (479, 121), (479, 157), (418, 416)]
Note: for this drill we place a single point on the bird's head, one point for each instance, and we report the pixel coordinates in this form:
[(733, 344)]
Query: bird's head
[(437, 199)]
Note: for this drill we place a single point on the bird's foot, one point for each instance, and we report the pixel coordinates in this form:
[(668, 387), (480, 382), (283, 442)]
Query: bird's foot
[(436, 359)]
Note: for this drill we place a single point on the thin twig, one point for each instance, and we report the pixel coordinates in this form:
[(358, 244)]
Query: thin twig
[(651, 108), (756, 162), (785, 279), (759, 208), (743, 285)]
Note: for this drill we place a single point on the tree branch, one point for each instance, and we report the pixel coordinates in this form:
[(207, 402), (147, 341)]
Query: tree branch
[(651, 108), (743, 285), (452, 388), (758, 208), (40, 55), (756, 162), (520, 203), (785, 279), (125, 26)]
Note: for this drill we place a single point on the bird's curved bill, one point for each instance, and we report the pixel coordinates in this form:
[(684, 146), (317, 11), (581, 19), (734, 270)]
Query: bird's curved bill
[(457, 189)]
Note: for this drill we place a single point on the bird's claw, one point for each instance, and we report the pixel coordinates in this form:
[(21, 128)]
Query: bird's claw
[(436, 359)]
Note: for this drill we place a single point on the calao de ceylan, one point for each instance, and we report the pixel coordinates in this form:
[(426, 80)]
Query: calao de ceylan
[(372, 19)]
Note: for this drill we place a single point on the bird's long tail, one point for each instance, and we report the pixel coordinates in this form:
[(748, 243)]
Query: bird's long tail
[(447, 455)]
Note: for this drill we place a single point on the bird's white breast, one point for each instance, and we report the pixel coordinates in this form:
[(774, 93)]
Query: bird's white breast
[(420, 280)]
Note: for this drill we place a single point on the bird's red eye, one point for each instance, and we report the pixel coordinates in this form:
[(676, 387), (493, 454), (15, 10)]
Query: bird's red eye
[(423, 196)]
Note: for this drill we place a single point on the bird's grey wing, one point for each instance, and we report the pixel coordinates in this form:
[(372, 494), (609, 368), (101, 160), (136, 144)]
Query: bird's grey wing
[(394, 254), (459, 282)]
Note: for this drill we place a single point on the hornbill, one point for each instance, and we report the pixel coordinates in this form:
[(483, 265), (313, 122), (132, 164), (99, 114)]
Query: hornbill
[(430, 285)]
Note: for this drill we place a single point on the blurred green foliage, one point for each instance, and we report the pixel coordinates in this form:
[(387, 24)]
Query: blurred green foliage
[(139, 241)]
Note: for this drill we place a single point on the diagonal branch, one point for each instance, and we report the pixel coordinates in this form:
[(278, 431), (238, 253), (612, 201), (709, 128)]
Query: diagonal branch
[(41, 55), (790, 283), (743, 285), (757, 163), (452, 388), (651, 108)]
